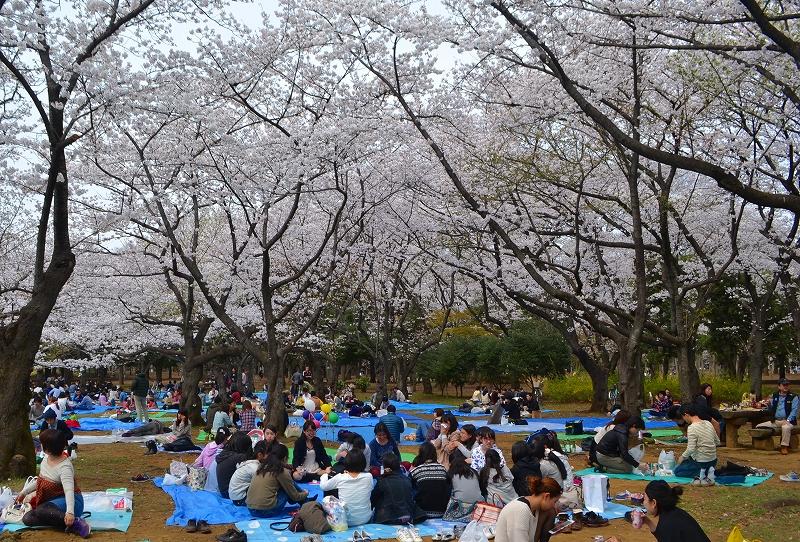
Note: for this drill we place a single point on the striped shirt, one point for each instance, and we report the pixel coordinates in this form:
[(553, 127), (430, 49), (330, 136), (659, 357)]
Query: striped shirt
[(702, 442)]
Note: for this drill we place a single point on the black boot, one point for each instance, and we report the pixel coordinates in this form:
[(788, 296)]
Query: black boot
[(152, 449)]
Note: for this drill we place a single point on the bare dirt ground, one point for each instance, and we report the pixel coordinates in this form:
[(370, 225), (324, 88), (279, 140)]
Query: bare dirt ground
[(769, 511)]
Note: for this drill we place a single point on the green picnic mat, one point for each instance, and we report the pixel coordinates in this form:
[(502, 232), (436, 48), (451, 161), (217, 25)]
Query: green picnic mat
[(750, 481)]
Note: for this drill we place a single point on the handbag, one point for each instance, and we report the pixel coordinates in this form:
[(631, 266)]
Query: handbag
[(312, 518), (485, 512), (295, 524), (458, 511), (14, 512), (196, 478)]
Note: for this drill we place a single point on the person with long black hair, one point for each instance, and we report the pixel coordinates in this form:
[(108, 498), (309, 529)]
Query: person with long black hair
[(310, 458), (525, 466), (272, 486), (664, 519), (393, 497), (496, 480), (466, 490), (429, 479), (238, 449)]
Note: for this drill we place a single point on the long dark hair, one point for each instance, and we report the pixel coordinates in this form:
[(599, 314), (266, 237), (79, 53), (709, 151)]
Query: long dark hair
[(459, 467), (709, 398), (469, 429), (185, 413), (666, 497), (519, 451), (357, 442), (538, 451), (620, 417), (275, 460), (493, 461), (427, 452)]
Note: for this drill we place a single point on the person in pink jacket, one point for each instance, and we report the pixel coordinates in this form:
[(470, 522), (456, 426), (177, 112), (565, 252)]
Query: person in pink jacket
[(208, 454)]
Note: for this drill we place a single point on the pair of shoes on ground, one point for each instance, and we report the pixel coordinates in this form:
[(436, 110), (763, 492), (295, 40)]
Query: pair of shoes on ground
[(593, 519), (360, 536), (443, 535), (195, 526), (408, 534), (314, 538), (790, 477), (141, 477), (235, 535), (703, 482)]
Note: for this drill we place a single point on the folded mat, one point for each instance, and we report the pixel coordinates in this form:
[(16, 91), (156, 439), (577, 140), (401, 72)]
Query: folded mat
[(749, 481), (258, 530), (212, 508), (104, 517)]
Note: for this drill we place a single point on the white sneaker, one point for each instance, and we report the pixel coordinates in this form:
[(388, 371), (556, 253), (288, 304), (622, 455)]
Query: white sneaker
[(414, 532), (403, 535), (697, 482)]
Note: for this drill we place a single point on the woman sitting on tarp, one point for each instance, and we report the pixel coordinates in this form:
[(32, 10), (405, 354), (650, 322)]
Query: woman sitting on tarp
[(58, 501), (180, 437), (613, 453), (272, 486)]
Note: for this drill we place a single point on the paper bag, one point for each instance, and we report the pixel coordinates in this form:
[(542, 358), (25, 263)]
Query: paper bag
[(595, 492)]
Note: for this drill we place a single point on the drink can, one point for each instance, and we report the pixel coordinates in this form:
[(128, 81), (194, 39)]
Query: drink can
[(636, 519)]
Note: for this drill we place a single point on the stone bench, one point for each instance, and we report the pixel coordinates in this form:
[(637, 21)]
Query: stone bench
[(763, 438)]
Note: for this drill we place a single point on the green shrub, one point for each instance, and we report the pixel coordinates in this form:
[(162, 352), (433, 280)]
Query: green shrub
[(362, 383), (577, 388)]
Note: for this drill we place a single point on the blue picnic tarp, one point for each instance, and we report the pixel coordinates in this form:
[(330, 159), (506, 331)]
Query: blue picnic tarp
[(212, 507), (105, 424)]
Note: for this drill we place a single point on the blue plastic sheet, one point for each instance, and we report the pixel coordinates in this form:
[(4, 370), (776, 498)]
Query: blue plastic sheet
[(214, 509), (104, 424)]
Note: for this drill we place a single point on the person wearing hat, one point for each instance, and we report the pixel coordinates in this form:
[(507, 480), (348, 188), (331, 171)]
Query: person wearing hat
[(783, 407), (51, 421)]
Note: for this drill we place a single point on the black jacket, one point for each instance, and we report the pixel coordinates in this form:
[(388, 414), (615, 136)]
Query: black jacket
[(393, 501), (615, 444), (226, 466), (140, 386), (61, 425), (522, 470), (299, 457)]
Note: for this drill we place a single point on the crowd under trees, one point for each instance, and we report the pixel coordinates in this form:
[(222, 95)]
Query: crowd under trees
[(345, 183)]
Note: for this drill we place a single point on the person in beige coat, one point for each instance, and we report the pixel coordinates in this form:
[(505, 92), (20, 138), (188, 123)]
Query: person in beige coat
[(448, 440)]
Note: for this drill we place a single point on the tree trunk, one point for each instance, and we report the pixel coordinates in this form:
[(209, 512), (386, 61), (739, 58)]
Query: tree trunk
[(276, 410), (755, 350), (630, 375), (16, 362), (688, 376), (190, 401), (427, 386)]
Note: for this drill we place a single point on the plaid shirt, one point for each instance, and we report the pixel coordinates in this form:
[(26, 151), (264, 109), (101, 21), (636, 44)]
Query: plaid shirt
[(248, 419)]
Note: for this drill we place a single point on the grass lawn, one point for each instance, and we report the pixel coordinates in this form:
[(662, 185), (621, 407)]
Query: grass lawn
[(769, 511)]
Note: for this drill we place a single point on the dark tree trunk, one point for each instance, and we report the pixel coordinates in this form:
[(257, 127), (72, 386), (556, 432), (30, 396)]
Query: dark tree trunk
[(689, 378), (15, 435), (427, 386), (190, 401), (630, 376)]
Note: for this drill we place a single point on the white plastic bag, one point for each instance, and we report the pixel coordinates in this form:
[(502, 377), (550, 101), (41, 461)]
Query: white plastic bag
[(474, 532), (6, 497), (335, 513), (637, 452), (172, 480), (667, 459), (178, 469), (595, 492)]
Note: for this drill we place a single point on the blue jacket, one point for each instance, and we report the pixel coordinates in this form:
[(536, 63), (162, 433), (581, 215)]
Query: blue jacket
[(394, 424), (376, 452)]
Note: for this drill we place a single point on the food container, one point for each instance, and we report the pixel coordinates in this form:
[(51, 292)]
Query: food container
[(637, 499)]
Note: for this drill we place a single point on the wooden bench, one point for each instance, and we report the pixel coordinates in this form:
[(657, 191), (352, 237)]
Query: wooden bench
[(763, 438)]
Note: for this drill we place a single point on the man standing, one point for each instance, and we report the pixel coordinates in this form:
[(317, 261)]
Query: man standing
[(139, 391), (783, 407), (297, 381)]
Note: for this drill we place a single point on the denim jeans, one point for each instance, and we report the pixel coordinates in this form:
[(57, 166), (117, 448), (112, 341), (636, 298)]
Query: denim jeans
[(689, 468), (276, 510)]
